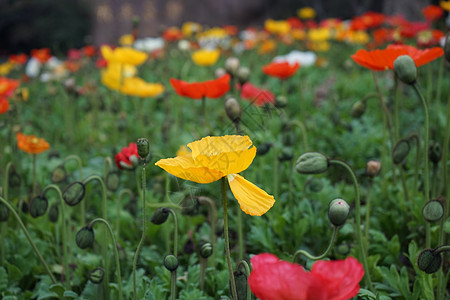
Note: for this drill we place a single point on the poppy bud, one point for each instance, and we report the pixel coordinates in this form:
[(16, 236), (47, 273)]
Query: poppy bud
[(343, 249), (14, 179), (281, 102), (429, 261), (434, 152), (405, 69), (96, 275), (400, 151), (132, 207), (85, 237), (171, 262), (243, 74), (314, 184), (190, 206), (122, 123), (206, 250), (338, 211), (287, 153), (135, 21), (189, 246), (373, 168), (311, 163), (433, 210), (53, 213), (38, 206), (160, 216), (263, 148), (74, 193), (233, 109), (447, 48), (358, 109), (4, 213), (220, 72), (232, 65), (112, 181), (59, 174), (240, 278), (143, 147)]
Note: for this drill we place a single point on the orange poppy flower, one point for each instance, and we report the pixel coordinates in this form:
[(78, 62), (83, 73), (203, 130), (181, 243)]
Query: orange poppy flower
[(19, 59), (172, 34), (42, 55), (89, 50), (7, 86), (281, 70), (31, 144), (4, 105), (197, 90), (432, 12), (380, 60)]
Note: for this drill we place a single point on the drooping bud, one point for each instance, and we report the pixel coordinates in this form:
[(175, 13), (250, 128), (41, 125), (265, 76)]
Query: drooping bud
[(281, 101), (4, 213), (206, 250), (405, 69), (232, 65), (38, 206), (311, 163), (338, 211), (190, 206), (373, 168), (85, 237), (433, 210), (358, 109), (233, 109), (189, 246), (53, 213), (287, 153), (314, 184), (240, 278), (143, 147), (96, 275), (434, 152), (243, 75), (171, 262), (400, 151), (429, 261), (112, 181), (59, 174), (263, 148), (74, 193), (14, 179), (160, 216)]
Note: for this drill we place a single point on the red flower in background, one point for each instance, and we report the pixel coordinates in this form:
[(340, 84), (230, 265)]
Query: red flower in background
[(7, 86), (4, 105), (367, 20), (231, 29), (274, 279), (257, 96), (281, 70), (432, 12), (101, 63), (295, 23), (128, 157), (19, 59), (172, 34), (89, 51), (74, 54), (380, 60), (42, 55), (197, 90)]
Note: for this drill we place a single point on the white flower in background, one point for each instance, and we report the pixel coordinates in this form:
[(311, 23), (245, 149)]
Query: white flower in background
[(239, 48), (305, 59), (149, 44), (55, 69), (184, 45), (33, 67)]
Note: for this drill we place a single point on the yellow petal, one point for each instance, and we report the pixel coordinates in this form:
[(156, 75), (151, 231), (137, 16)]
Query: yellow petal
[(184, 167), (252, 200), (228, 154)]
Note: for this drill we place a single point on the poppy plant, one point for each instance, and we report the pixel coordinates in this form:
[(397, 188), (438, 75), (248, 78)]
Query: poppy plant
[(123, 55), (42, 55), (274, 279), (128, 157), (222, 156), (31, 144), (207, 89), (432, 12), (381, 60), (257, 96), (4, 105), (7, 86), (135, 86), (205, 57), (281, 70)]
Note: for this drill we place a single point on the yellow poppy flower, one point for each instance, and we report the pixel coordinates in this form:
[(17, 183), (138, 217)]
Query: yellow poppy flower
[(267, 46), (190, 28), (123, 55), (115, 74), (445, 5), (126, 40), (277, 27), (183, 150), (319, 34), (135, 86), (205, 57), (215, 157), (306, 13), (5, 68)]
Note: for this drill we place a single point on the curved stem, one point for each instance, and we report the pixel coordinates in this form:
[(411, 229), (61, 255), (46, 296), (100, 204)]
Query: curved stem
[(64, 229), (175, 231), (30, 240), (227, 241), (416, 170), (116, 253), (357, 217), (213, 218), (302, 127), (441, 249), (3, 231), (325, 253), (246, 267)]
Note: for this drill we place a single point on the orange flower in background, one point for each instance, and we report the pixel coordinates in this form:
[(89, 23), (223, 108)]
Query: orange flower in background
[(231, 29), (367, 20), (257, 96), (19, 59), (267, 46), (4, 105), (7, 86), (89, 50), (380, 60), (197, 90), (42, 55), (172, 34), (31, 144), (281, 70), (445, 5), (432, 12)]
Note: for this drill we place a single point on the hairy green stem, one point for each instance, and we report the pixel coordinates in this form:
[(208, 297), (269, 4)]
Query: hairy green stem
[(119, 207), (213, 218), (325, 253), (244, 264)]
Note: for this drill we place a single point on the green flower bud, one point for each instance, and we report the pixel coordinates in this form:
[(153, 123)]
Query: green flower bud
[(434, 152), (338, 211), (358, 109), (96, 275), (429, 261), (241, 285), (343, 249), (405, 69), (74, 193), (14, 179), (143, 147), (312, 163), (263, 148), (4, 213), (132, 206), (400, 151), (85, 237), (281, 102), (171, 262), (160, 216), (243, 74), (433, 211), (287, 153), (112, 181), (59, 174), (447, 47), (135, 21), (314, 184), (53, 213), (38, 206), (232, 65), (190, 206), (206, 250), (233, 109)]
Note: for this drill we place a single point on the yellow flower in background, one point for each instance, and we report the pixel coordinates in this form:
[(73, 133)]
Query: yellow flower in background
[(306, 13), (267, 46), (135, 86), (190, 28), (359, 37), (319, 34), (126, 40), (205, 57), (277, 27), (5, 68), (320, 46), (298, 34), (123, 55), (215, 157), (215, 32), (445, 5), (115, 74)]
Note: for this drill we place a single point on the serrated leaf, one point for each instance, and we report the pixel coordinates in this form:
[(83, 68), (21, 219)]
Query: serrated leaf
[(14, 273), (58, 289), (3, 279), (70, 295)]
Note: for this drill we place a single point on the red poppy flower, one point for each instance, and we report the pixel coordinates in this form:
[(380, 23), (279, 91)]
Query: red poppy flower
[(197, 90), (101, 63), (380, 60), (7, 86), (89, 50), (42, 55), (257, 96), (4, 105), (274, 279), (172, 34), (19, 59), (295, 23), (127, 158), (432, 12), (231, 29), (367, 20), (74, 54), (281, 70), (410, 29)]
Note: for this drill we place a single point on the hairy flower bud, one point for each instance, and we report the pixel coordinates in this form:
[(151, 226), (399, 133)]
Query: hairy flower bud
[(143, 147), (233, 109), (314, 184), (53, 213), (433, 210), (243, 74), (74, 193), (96, 275), (232, 65), (4, 213), (38, 206), (429, 261), (220, 72), (405, 69), (85, 237), (400, 151), (206, 250), (287, 153), (280, 102), (434, 152), (160, 216), (190, 205), (312, 163), (358, 109), (112, 181), (59, 174), (240, 278), (171, 262), (338, 211), (263, 148), (373, 168)]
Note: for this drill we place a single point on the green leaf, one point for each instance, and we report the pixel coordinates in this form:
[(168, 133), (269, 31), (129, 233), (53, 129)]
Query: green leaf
[(70, 295), (3, 279), (58, 289), (14, 272)]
